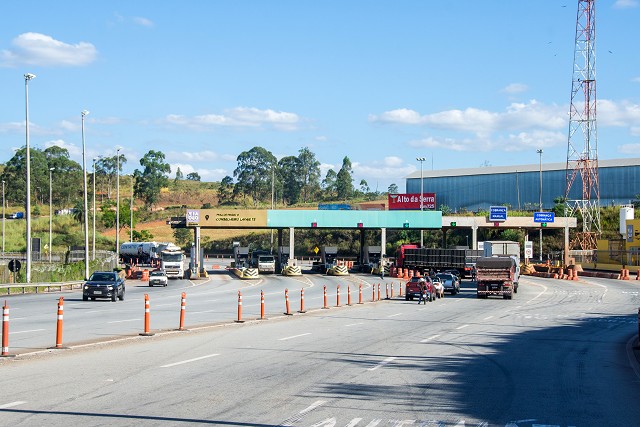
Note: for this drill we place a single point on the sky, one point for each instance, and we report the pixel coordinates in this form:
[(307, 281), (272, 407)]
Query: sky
[(462, 83)]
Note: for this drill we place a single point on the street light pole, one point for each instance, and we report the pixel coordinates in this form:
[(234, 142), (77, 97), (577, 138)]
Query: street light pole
[(539, 151), (86, 208), (3, 203), (118, 205), (421, 160), (28, 77), (131, 213), (50, 210), (93, 257)]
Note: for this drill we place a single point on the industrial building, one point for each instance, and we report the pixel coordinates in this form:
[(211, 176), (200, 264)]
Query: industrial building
[(518, 187)]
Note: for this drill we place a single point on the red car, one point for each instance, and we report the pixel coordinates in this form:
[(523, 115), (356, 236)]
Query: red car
[(414, 288)]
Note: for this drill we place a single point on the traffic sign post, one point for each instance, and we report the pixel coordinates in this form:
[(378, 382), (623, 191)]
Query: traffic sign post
[(497, 213)]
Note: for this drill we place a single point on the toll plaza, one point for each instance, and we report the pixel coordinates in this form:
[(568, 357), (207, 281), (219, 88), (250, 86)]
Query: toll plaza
[(279, 220)]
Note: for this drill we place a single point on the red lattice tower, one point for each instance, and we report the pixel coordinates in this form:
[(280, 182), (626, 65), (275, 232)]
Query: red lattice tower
[(582, 152)]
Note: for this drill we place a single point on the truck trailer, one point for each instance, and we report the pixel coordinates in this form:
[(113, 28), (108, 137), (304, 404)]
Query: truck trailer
[(436, 259), (497, 275)]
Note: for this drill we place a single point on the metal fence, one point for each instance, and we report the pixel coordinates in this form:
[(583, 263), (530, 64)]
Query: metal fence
[(64, 266)]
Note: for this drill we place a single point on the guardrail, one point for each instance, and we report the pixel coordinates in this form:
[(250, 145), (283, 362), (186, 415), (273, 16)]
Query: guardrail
[(35, 288)]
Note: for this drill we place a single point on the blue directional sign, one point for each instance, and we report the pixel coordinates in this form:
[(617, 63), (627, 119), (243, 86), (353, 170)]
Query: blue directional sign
[(497, 213), (544, 217)]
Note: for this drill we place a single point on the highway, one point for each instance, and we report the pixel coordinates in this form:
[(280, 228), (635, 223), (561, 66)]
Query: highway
[(555, 355)]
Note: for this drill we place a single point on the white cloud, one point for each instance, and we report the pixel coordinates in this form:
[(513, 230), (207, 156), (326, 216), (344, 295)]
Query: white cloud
[(390, 169), (143, 21), (625, 4), (636, 79), (202, 156), (620, 114), (12, 127), (239, 117), (517, 116), (521, 141), (514, 88), (629, 149), (43, 50), (208, 175)]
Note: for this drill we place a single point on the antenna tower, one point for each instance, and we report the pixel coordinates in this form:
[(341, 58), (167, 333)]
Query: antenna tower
[(582, 152)]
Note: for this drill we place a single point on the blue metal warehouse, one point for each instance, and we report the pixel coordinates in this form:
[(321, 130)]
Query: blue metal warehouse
[(519, 186)]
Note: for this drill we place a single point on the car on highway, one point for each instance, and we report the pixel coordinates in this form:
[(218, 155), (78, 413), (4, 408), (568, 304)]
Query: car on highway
[(438, 287), (450, 282), (104, 284), (413, 288), (158, 277)]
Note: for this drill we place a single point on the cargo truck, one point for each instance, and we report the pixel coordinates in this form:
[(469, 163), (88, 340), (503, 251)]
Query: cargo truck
[(172, 261), (497, 275), (436, 259)]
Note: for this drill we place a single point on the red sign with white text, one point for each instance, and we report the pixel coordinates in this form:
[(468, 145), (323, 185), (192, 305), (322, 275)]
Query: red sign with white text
[(411, 201)]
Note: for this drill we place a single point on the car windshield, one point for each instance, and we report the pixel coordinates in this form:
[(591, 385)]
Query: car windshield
[(445, 277), (102, 277), (157, 273)]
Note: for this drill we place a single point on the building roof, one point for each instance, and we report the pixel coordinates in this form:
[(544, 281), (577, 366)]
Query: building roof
[(492, 170)]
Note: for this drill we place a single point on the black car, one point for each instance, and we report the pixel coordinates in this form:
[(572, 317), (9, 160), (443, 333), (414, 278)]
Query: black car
[(104, 284)]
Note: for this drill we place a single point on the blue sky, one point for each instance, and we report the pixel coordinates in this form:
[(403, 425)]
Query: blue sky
[(462, 83)]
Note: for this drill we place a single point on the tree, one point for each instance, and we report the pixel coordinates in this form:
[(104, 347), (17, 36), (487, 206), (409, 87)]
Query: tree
[(107, 169), (364, 186), (309, 173), (108, 210), (393, 189), (182, 236), (179, 175), (329, 184), (225, 190), (254, 173), (193, 176), (152, 178), (289, 171), (344, 180)]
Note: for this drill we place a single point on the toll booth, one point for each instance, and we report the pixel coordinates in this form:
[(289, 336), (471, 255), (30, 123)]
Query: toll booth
[(283, 256), (241, 256)]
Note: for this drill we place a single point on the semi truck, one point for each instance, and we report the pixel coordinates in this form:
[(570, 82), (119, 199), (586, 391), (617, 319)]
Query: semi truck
[(437, 259), (497, 275), (172, 261), (143, 252)]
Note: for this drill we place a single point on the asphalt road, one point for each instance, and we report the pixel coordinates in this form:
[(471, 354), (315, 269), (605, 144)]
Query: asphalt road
[(555, 355)]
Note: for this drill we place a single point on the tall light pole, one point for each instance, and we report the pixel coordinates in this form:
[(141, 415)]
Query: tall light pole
[(3, 203), (118, 205), (93, 256), (421, 160), (28, 77), (131, 213), (539, 151), (50, 210), (86, 208)]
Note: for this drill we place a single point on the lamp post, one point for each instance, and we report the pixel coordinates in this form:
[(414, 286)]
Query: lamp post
[(50, 210), (28, 77), (3, 218), (118, 205), (93, 235), (421, 160), (86, 209), (131, 213), (539, 151)]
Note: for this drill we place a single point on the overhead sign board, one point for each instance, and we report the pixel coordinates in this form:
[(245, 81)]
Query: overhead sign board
[(497, 213), (411, 201), (544, 217), (240, 218), (193, 217)]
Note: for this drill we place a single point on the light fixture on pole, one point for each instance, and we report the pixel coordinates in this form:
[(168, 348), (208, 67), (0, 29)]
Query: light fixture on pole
[(539, 151), (50, 210), (93, 252), (118, 205), (86, 208), (421, 160), (28, 77)]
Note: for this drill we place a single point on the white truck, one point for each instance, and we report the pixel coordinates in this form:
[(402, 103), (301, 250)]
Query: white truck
[(266, 264), (172, 261)]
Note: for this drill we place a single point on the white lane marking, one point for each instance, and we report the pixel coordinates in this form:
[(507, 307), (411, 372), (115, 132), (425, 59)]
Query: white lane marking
[(189, 360), (536, 297), (488, 317), (24, 332), (12, 404), (354, 324), (126, 320), (394, 315), (462, 326), (384, 362), (293, 336), (289, 421), (430, 338)]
